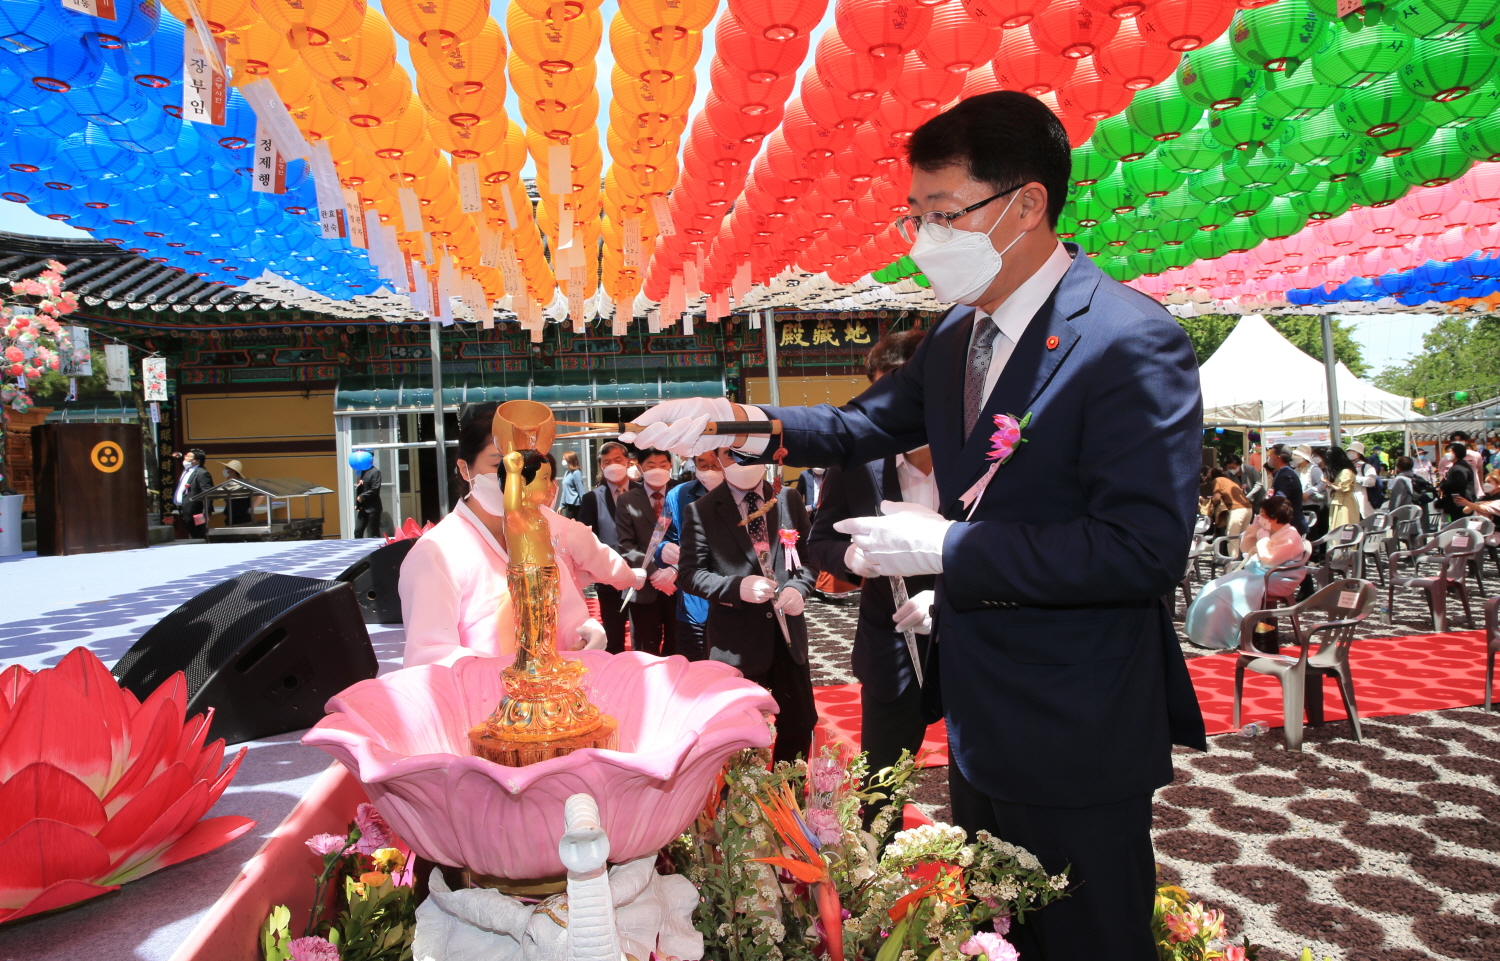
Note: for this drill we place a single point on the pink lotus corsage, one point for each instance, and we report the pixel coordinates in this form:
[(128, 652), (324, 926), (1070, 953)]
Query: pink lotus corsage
[(789, 544), (1003, 443)]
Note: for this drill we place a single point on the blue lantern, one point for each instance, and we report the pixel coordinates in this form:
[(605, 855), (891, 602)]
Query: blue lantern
[(113, 99), (27, 25), (153, 131), (58, 67), (135, 21), (52, 120), (157, 63)]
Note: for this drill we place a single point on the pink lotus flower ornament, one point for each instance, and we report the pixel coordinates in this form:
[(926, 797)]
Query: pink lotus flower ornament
[(405, 737), (1003, 443)]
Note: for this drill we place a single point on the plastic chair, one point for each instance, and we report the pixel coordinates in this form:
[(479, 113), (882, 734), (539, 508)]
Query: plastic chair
[(1492, 635), (1223, 552), (1405, 529), (1452, 551), (1310, 518), (1376, 526), (1343, 553), (1346, 602), (1200, 542)]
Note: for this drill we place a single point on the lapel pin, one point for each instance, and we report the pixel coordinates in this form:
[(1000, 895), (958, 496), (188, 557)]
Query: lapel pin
[(1052, 342)]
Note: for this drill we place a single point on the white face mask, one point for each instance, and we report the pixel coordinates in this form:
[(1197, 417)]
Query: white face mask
[(711, 478), (633, 472), (962, 268), (745, 476), (657, 477), (486, 492), (614, 473)]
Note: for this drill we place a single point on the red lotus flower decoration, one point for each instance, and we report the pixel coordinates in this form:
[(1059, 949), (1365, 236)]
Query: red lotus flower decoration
[(98, 788)]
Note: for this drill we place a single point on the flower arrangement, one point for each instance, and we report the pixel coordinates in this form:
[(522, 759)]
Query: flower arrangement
[(786, 870), (1186, 930), (370, 877)]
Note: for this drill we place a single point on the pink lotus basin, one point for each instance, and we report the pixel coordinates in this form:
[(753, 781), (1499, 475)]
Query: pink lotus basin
[(405, 737)]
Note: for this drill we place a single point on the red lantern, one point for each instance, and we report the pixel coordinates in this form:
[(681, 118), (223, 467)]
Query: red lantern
[(831, 109), (1183, 25), (1021, 65), (779, 20), (749, 96), (1132, 62), (813, 140), (732, 156), (1118, 9), (728, 121), (924, 84), (1070, 31), (1007, 14), (980, 80), (854, 76), (839, 190), (1079, 128), (760, 60), (902, 120), (956, 41), (875, 142), (1091, 96), (786, 163), (882, 29), (856, 166)]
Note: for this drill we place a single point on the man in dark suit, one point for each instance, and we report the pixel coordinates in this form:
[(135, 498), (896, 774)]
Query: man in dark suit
[(1060, 674), (1284, 481), (890, 699), (598, 512), (192, 484), (809, 484), (367, 498), (653, 612), (755, 621)]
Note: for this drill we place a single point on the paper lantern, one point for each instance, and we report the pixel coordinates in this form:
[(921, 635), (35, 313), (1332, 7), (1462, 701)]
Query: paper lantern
[(1133, 63), (759, 60), (925, 85), (1114, 138), (1378, 184), (1021, 65), (1193, 152), (1213, 77), (1324, 203), (1078, 127), (1091, 95), (1436, 162), (958, 42), (30, 26), (437, 24), (60, 66), (466, 67), (1445, 70), (1259, 168), (1184, 25), (311, 23), (1294, 95), (780, 19), (731, 85), (1066, 30), (112, 99), (381, 103), (1481, 139), (1090, 166), (1379, 111), (545, 90), (728, 121), (1213, 186), (1315, 141), (880, 29), (565, 123), (1278, 219), (1476, 105), (657, 18), (1162, 113), (980, 80), (1116, 193), (1278, 37), (644, 56), (1439, 19), (1352, 60), (466, 142), (1403, 140), (1007, 14), (553, 50), (1243, 127)]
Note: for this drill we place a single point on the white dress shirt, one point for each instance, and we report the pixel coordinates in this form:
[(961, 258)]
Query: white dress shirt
[(182, 485), (916, 487), (1014, 315)]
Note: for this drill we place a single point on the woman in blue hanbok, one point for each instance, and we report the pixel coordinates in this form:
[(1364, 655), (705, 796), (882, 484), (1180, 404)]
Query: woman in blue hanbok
[(1213, 619)]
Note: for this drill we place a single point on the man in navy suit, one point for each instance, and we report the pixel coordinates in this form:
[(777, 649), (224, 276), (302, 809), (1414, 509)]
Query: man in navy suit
[(1054, 654)]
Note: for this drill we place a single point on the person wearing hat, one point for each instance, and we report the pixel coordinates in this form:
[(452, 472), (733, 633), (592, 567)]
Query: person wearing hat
[(366, 494), (1314, 491), (1366, 479), (237, 509)]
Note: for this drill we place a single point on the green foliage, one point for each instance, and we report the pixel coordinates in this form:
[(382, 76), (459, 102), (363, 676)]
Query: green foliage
[(377, 923), (1459, 353), (1208, 331), (276, 935), (54, 385)]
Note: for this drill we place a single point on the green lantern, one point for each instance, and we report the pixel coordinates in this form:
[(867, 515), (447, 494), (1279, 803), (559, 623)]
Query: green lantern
[(1481, 139), (1244, 127), (1276, 38), (1115, 232), (1208, 245), (1143, 262), (1148, 178), (1288, 96), (1117, 267), (1323, 203), (1089, 211), (1277, 219), (1377, 110), (1408, 137), (1091, 242), (1143, 241), (1343, 167), (1213, 77), (1114, 193), (1213, 186), (1174, 232), (1444, 70), (1315, 141), (1240, 234), (1214, 216), (1090, 166), (1300, 179), (1359, 57), (1462, 396), (1436, 19), (1115, 139), (1456, 113), (1436, 162), (1067, 225), (1179, 205), (1257, 168), (1162, 112), (1175, 255), (1193, 152), (1146, 216), (1377, 185), (1248, 203)]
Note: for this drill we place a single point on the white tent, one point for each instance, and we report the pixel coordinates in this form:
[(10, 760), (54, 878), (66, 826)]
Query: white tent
[(1259, 378)]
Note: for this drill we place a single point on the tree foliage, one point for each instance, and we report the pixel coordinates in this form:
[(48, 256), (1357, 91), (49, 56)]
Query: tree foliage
[(1208, 331), (1459, 353)]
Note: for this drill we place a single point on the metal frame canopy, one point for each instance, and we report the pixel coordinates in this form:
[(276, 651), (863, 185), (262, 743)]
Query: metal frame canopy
[(280, 491)]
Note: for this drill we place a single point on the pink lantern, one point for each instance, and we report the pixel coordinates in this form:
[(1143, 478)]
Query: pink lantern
[(1340, 232), (1429, 204), (1481, 184), (1451, 245), (1380, 221)]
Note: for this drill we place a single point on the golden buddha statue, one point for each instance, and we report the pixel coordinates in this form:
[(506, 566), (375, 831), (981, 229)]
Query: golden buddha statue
[(545, 712)]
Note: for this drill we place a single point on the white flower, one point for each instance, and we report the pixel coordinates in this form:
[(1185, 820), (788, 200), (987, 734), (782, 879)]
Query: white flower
[(1027, 860)]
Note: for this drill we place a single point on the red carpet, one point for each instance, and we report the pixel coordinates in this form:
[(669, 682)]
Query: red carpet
[(838, 717), (1392, 675)]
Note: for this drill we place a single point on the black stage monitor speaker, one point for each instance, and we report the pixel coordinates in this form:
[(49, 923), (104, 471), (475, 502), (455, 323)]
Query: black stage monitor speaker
[(265, 651), (376, 577)]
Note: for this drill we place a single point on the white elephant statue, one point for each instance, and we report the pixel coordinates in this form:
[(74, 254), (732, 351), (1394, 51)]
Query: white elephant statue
[(628, 910)]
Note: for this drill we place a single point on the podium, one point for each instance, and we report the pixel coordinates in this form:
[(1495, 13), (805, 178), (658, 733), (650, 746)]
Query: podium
[(89, 488)]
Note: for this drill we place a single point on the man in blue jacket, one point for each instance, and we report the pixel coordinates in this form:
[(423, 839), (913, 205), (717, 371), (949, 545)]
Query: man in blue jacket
[(1054, 654)]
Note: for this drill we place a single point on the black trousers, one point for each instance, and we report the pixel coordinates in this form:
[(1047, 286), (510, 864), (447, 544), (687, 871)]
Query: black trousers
[(653, 625), (690, 636), (790, 684), (1112, 883), (367, 522), (889, 727), (613, 619)]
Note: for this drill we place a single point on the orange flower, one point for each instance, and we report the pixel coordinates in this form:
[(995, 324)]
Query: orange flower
[(374, 878), (786, 819), (944, 880)]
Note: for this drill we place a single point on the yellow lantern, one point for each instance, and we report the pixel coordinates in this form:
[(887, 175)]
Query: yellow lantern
[(581, 149), (294, 87), (413, 166), (550, 47), (647, 129), (312, 23), (437, 25), (652, 58), (682, 16), (464, 67), (359, 62), (639, 96), (380, 103), (566, 122), (312, 117), (257, 50), (391, 141)]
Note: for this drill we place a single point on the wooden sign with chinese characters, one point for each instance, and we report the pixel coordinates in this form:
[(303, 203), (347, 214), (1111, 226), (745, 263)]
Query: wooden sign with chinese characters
[(824, 333), (269, 175)]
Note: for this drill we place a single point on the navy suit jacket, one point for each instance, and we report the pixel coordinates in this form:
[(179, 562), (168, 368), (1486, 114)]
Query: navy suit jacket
[(1062, 680)]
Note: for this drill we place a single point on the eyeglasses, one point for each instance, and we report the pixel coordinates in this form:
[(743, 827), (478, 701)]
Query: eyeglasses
[(941, 221)]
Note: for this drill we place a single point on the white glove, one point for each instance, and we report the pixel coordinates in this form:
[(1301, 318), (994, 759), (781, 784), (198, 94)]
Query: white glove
[(670, 554), (791, 602), (916, 614), (677, 426), (591, 637), (640, 577), (665, 580), (855, 562), (757, 590), (907, 541)]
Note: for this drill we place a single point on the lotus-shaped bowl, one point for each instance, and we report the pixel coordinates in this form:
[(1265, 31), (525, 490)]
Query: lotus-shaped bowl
[(405, 736)]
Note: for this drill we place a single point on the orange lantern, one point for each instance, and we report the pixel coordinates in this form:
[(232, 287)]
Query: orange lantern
[(554, 48), (464, 67), (638, 96), (639, 128), (649, 58), (430, 24), (473, 104), (380, 103), (257, 50), (561, 123), (582, 149), (571, 9), (391, 141), (681, 16), (957, 41), (221, 15), (312, 23), (314, 119), (538, 86), (467, 142), (359, 62), (294, 87)]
